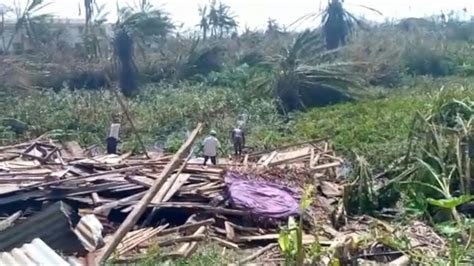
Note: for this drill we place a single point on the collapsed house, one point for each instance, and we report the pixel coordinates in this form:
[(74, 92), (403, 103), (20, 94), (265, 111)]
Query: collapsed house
[(59, 199)]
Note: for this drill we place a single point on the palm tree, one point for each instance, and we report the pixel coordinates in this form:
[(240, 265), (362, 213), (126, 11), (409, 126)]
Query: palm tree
[(299, 75), (218, 19), (337, 22), (4, 10), (123, 44), (28, 19), (145, 23), (204, 23), (95, 34), (89, 10)]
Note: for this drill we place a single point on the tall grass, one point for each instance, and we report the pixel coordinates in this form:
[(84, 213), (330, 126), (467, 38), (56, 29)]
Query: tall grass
[(162, 114)]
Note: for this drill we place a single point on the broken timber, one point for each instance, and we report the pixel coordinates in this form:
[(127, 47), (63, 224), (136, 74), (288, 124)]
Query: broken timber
[(133, 217)]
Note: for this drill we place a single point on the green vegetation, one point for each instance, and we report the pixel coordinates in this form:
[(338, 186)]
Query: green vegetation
[(393, 96)]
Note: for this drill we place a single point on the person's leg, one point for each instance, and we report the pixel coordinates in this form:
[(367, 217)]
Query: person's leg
[(111, 145), (239, 148), (236, 150), (213, 160), (205, 160)]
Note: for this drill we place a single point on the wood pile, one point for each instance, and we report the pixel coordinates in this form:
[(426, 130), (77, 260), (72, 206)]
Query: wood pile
[(189, 208)]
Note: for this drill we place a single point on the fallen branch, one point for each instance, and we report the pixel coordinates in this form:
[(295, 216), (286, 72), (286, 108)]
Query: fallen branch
[(258, 253)]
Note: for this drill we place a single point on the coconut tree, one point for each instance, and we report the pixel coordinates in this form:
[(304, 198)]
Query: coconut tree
[(28, 19), (218, 18), (95, 34), (127, 71), (203, 23), (145, 23), (301, 76), (89, 6), (337, 23), (4, 10)]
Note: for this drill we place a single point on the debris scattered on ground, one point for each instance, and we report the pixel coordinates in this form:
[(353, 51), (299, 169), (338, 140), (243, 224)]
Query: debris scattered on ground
[(60, 198)]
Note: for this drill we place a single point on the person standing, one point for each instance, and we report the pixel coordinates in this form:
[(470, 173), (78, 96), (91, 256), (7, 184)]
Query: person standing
[(211, 144), (113, 139), (238, 140)]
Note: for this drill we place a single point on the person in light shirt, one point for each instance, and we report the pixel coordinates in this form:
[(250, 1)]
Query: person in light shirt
[(113, 139), (211, 144)]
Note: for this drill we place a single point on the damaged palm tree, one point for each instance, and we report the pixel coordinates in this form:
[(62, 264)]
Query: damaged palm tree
[(127, 71), (304, 77)]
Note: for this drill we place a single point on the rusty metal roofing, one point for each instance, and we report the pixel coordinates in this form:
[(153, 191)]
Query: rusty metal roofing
[(34, 253)]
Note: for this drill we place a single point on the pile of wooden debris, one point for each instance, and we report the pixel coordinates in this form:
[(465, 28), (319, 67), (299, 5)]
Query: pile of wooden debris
[(121, 205)]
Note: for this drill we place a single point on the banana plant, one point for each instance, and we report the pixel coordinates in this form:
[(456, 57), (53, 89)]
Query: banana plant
[(290, 239)]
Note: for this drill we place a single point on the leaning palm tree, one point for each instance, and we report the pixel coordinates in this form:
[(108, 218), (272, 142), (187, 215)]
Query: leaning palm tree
[(300, 75)]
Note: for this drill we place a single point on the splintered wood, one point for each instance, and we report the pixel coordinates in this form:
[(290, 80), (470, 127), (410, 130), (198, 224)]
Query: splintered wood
[(190, 206)]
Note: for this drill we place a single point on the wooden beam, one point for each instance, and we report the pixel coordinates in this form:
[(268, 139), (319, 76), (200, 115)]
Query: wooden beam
[(133, 217)]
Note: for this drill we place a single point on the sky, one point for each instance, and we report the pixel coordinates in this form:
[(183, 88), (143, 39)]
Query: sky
[(255, 13)]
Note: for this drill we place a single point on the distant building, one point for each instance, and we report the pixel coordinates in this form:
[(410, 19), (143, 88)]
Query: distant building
[(69, 32)]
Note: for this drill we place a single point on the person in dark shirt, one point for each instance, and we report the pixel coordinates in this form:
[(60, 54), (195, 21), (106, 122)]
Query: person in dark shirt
[(238, 140)]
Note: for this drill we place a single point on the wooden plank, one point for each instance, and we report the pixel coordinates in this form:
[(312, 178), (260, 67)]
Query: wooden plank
[(203, 207), (133, 217), (314, 141), (56, 182), (142, 238), (229, 231), (326, 166), (270, 158), (290, 156), (189, 248), (186, 227), (176, 240), (10, 220), (270, 237), (225, 243), (107, 207), (179, 182), (258, 253)]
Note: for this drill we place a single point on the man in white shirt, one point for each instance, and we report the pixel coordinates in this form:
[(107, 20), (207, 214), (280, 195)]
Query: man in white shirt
[(113, 139), (211, 144)]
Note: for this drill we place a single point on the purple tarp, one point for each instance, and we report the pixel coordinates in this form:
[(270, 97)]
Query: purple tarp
[(261, 198)]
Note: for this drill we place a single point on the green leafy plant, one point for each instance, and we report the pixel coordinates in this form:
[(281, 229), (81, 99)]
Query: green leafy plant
[(290, 239)]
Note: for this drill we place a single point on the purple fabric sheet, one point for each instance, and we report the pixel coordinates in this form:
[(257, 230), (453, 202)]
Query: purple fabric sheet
[(263, 199)]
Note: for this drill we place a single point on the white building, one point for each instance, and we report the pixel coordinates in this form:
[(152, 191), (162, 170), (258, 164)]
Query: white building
[(68, 32)]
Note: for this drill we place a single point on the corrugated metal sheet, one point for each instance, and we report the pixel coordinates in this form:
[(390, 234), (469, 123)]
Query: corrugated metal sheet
[(34, 253), (89, 231), (53, 225)]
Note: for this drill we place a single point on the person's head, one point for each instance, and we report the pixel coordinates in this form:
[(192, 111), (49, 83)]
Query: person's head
[(116, 118), (213, 133)]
